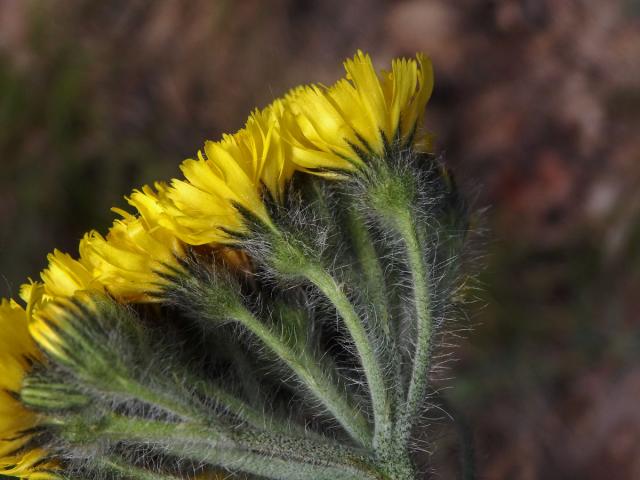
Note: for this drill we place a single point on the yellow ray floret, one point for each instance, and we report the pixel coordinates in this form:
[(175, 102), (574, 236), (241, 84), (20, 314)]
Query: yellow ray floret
[(264, 151), (328, 127), (30, 465), (136, 249), (17, 350), (65, 276), (45, 314), (47, 326), (229, 174), (203, 207), (33, 295)]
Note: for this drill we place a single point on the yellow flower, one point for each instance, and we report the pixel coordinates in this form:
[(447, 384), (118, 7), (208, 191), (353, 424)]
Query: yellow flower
[(230, 173), (33, 295), (314, 129), (42, 312), (17, 350), (317, 129), (62, 278), (65, 276), (136, 249), (261, 143), (202, 209), (29, 465), (329, 127), (45, 327)]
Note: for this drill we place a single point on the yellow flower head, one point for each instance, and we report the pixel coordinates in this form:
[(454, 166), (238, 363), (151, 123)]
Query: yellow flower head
[(315, 129), (17, 350), (33, 295), (328, 127), (230, 173), (65, 276), (45, 327), (29, 465), (203, 208), (266, 156), (62, 278), (127, 261)]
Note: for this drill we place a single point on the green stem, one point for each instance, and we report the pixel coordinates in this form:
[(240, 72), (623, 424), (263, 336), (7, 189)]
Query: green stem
[(370, 364), (310, 372), (244, 450), (421, 361), (377, 287), (369, 262), (116, 465), (244, 411), (235, 406), (145, 394)]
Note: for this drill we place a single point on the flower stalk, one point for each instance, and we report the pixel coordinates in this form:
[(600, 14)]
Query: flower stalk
[(408, 231), (366, 352)]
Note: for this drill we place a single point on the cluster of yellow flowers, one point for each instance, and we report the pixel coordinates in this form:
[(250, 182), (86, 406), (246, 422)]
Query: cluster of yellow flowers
[(313, 129)]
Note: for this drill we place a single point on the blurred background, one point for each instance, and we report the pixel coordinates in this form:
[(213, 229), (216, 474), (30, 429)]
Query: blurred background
[(536, 106)]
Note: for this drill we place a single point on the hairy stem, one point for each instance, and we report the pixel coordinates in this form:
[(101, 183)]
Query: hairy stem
[(376, 292), (419, 376), (370, 363), (168, 403), (237, 407), (244, 450), (118, 466), (369, 262), (310, 372)]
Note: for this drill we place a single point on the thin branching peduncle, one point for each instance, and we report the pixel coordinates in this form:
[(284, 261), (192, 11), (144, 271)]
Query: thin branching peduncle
[(311, 373)]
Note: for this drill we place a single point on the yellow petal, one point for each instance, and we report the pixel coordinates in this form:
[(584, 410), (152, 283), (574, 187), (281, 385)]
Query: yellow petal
[(16, 346), (331, 128), (64, 276)]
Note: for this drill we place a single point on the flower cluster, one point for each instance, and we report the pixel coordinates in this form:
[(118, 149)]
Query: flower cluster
[(322, 130)]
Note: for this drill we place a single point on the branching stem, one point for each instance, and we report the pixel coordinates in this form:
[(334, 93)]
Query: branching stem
[(245, 450), (116, 465), (378, 295), (137, 390), (310, 372), (370, 363), (237, 407)]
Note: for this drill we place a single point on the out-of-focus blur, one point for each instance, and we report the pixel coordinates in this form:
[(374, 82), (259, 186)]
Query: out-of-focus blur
[(536, 106)]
